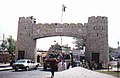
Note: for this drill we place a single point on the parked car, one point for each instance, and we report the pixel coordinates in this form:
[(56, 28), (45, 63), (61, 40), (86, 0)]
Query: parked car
[(25, 64)]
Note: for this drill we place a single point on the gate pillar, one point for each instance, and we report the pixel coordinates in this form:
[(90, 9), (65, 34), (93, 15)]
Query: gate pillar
[(26, 45)]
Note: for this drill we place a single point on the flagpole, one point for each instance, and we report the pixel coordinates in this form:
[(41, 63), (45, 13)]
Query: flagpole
[(61, 17), (61, 22), (63, 10)]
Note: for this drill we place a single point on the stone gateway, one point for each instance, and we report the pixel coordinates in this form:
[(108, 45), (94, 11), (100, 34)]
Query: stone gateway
[(94, 33)]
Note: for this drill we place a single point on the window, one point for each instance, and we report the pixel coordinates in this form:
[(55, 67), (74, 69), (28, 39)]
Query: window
[(55, 23), (102, 28), (20, 34), (97, 34), (29, 34), (94, 27)]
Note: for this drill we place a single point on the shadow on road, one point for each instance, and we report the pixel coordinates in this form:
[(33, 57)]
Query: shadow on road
[(48, 70)]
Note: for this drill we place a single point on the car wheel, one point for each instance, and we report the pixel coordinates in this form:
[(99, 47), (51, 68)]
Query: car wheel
[(26, 68), (36, 67), (16, 69)]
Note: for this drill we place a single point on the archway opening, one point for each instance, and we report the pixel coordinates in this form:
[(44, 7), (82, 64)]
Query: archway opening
[(44, 44)]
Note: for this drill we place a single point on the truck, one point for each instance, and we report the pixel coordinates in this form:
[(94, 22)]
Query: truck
[(59, 56)]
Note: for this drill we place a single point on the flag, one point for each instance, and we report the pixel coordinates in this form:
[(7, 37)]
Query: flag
[(118, 43), (63, 8), (54, 40)]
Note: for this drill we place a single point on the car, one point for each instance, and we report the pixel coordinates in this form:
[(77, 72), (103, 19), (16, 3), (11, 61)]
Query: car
[(25, 64)]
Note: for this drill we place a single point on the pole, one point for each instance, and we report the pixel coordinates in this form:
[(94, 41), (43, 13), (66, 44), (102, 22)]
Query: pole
[(3, 36), (61, 22), (63, 10), (61, 17), (118, 43), (61, 41)]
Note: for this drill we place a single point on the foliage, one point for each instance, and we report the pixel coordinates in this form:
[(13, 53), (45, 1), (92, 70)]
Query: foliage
[(79, 43), (111, 50), (3, 45), (113, 73), (11, 45)]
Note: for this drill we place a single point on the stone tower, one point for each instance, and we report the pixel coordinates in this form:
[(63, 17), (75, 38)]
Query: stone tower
[(25, 43), (97, 39)]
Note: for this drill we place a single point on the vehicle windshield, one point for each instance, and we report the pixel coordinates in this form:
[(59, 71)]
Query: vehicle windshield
[(67, 56), (52, 56), (20, 61)]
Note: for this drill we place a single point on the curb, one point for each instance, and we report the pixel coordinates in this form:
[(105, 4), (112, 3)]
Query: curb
[(5, 69)]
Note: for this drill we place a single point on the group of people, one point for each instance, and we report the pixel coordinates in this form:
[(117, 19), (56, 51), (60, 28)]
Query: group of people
[(59, 64), (62, 65)]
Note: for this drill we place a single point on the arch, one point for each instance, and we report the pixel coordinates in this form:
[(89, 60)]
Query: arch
[(29, 32)]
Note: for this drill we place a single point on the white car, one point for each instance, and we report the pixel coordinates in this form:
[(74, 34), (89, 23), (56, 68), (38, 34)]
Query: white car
[(25, 64)]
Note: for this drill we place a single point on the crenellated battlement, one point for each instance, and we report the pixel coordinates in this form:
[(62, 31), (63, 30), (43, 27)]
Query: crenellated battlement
[(92, 19), (59, 24), (24, 18), (27, 19), (98, 19)]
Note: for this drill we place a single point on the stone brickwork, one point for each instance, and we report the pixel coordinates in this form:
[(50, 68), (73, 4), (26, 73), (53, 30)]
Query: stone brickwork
[(97, 39), (95, 34)]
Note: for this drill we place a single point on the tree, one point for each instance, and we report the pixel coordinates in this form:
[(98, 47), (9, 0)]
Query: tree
[(11, 45), (3, 45), (79, 43), (111, 50)]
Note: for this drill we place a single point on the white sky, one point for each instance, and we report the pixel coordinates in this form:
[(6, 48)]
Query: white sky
[(49, 11)]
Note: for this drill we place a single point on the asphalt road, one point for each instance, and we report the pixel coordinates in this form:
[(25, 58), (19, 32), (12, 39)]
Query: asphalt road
[(39, 73)]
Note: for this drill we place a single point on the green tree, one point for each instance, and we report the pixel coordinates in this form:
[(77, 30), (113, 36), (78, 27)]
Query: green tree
[(79, 43), (112, 50), (3, 45), (11, 45)]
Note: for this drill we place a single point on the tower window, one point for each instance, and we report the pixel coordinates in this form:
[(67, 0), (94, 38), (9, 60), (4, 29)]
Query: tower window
[(55, 23), (106, 35), (29, 34), (34, 21), (94, 27), (20, 34), (97, 34), (102, 28)]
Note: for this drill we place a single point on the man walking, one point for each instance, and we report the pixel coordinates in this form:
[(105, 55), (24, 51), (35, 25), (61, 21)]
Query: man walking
[(53, 66)]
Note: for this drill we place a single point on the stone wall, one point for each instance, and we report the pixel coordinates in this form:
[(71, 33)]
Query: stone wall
[(95, 34), (25, 42)]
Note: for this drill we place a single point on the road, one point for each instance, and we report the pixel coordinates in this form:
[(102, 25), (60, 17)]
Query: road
[(39, 73)]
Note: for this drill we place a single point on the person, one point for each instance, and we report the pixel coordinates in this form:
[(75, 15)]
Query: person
[(64, 65), (60, 66), (53, 65), (118, 65)]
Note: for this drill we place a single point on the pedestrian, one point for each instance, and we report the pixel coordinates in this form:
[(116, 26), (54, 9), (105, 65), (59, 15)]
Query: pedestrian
[(60, 66), (64, 65), (53, 66), (118, 65)]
